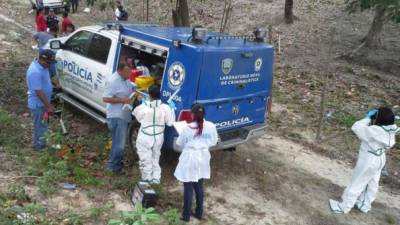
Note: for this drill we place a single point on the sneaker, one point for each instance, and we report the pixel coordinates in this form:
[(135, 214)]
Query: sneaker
[(335, 207), (197, 216), (185, 219), (39, 148), (384, 173), (360, 206)]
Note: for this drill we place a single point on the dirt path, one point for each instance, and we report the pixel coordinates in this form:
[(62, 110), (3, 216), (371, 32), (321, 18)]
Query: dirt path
[(9, 20), (335, 171), (282, 182)]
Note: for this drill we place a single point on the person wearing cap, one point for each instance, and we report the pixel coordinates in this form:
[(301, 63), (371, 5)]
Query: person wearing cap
[(52, 19), (40, 90)]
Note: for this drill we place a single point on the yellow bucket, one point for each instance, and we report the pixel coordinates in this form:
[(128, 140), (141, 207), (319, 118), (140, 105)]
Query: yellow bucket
[(143, 83)]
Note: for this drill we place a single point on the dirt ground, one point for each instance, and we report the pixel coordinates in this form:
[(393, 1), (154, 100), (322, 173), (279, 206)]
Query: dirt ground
[(285, 177)]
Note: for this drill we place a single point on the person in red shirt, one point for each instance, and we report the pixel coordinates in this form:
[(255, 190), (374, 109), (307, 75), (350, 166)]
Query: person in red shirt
[(66, 22), (41, 23)]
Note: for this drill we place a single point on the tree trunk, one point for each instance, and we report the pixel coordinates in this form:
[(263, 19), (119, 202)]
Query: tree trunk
[(226, 14), (376, 27), (180, 15), (147, 10), (184, 12), (289, 11), (176, 19)]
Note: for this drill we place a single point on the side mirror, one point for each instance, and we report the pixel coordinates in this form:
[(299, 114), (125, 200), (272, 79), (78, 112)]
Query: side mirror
[(56, 44)]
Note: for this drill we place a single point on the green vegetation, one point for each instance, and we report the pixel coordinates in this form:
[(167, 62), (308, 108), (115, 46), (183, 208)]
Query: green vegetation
[(345, 119), (54, 173), (139, 216), (12, 76), (97, 212), (390, 7), (385, 11), (390, 219), (12, 211), (15, 133), (17, 192), (172, 217)]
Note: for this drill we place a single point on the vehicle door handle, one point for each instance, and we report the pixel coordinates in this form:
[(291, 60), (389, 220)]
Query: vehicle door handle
[(247, 54)]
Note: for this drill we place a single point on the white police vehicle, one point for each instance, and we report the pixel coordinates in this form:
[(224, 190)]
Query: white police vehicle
[(51, 4), (230, 75)]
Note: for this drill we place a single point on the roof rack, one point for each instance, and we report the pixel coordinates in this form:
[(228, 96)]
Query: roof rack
[(220, 38), (119, 25)]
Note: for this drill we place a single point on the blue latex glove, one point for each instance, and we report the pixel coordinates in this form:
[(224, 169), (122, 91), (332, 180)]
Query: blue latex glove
[(145, 98), (171, 104), (372, 113)]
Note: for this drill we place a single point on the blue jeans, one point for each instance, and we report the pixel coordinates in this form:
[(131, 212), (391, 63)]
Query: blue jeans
[(39, 128), (188, 196), (119, 133)]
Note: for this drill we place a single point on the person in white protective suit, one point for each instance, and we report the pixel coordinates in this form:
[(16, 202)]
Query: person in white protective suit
[(377, 134), (153, 116), (194, 162)]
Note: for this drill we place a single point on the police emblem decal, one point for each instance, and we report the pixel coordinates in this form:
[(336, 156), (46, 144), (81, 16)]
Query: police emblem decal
[(176, 75), (227, 65), (258, 64)]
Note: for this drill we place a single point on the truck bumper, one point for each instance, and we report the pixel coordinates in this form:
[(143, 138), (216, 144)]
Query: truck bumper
[(234, 138)]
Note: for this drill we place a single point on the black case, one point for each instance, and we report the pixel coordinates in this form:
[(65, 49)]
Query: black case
[(143, 193)]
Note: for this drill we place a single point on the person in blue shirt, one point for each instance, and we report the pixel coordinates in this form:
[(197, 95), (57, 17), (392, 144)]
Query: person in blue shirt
[(117, 93), (40, 90)]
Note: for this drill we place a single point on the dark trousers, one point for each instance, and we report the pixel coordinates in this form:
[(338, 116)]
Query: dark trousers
[(74, 4), (90, 2), (188, 188)]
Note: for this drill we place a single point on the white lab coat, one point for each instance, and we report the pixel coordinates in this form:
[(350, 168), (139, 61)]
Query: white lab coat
[(375, 140), (194, 161), (152, 116), (117, 13)]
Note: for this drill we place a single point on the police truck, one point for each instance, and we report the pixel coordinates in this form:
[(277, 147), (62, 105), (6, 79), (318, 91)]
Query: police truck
[(230, 75)]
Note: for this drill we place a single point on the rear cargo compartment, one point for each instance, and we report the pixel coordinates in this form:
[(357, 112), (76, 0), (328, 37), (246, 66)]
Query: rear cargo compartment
[(235, 86)]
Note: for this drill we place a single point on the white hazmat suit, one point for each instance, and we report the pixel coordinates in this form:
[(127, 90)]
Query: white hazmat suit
[(371, 159), (152, 116), (194, 161)]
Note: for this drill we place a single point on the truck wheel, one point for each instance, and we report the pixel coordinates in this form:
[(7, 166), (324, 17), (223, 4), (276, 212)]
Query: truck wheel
[(132, 135)]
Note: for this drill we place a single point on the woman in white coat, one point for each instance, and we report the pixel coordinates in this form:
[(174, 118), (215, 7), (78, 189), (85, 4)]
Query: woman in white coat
[(377, 134), (194, 162)]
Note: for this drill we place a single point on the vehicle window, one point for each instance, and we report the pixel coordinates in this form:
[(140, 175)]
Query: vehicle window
[(78, 42), (99, 48)]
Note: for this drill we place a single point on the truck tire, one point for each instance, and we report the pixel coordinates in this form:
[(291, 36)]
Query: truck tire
[(132, 135)]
